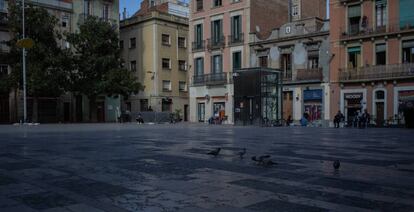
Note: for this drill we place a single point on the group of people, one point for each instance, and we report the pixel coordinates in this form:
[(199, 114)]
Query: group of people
[(361, 119)]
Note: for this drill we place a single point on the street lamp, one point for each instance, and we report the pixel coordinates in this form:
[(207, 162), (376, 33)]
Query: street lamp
[(24, 70)]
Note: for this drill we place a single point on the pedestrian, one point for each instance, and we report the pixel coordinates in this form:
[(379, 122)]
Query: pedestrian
[(139, 119), (304, 120), (366, 118), (289, 120), (338, 118)]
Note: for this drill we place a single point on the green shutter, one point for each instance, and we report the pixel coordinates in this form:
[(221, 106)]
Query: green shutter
[(354, 11), (354, 49), (406, 13)]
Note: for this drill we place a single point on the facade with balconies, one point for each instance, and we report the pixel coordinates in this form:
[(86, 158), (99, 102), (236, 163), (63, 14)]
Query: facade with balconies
[(372, 65), (219, 37), (300, 49)]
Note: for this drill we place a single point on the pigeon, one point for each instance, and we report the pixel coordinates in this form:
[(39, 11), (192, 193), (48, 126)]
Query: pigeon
[(241, 154), (261, 158), (214, 152), (269, 163), (336, 164)]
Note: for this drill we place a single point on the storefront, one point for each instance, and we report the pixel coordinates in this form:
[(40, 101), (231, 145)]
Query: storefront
[(353, 102), (406, 107), (313, 104)]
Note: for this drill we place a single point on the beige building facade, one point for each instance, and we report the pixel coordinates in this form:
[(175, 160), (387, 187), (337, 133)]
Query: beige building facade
[(154, 47)]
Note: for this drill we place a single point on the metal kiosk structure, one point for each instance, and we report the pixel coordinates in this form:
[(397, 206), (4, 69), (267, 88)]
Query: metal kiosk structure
[(258, 97)]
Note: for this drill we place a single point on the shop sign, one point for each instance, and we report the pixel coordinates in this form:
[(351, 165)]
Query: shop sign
[(312, 94), (353, 96)]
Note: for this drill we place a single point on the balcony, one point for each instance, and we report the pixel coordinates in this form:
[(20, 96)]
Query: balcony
[(309, 74), (216, 43), (375, 73), (54, 4), (212, 79), (83, 16), (358, 32), (236, 39), (198, 45)]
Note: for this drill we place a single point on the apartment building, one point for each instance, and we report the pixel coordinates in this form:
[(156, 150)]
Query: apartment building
[(219, 36), (300, 49), (154, 46), (372, 59), (66, 108)]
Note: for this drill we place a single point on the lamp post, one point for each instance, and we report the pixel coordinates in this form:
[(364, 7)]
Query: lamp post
[(24, 70)]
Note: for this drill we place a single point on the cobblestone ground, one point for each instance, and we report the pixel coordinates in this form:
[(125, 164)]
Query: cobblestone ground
[(128, 167)]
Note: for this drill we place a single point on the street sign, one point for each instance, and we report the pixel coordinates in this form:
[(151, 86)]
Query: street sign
[(25, 43)]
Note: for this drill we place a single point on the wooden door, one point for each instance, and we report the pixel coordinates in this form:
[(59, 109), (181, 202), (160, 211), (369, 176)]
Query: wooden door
[(100, 111), (380, 113), (287, 105)]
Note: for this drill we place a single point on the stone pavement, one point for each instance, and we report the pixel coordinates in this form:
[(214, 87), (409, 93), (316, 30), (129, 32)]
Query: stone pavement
[(128, 167)]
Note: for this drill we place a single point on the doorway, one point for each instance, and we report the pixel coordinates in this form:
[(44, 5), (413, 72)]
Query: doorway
[(380, 114), (287, 104), (185, 112), (100, 111), (4, 109), (66, 112)]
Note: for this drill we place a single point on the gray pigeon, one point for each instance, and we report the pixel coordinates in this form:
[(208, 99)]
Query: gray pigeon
[(336, 164), (241, 154), (214, 152)]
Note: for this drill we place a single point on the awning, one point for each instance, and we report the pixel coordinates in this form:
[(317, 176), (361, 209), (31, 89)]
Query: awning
[(354, 49), (380, 48)]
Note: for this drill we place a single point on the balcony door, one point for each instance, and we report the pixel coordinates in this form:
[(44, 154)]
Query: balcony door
[(354, 19), (354, 57), (198, 34), (236, 28), (408, 51), (286, 65), (217, 64), (216, 31)]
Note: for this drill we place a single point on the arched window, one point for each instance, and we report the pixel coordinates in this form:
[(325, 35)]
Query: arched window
[(379, 95)]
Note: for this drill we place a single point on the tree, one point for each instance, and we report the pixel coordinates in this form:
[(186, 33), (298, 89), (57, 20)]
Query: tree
[(98, 63), (47, 72)]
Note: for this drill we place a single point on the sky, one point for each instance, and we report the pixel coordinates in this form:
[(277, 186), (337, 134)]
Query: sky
[(131, 5)]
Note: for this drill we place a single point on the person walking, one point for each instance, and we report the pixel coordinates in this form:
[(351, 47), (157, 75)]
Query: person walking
[(366, 119), (338, 118)]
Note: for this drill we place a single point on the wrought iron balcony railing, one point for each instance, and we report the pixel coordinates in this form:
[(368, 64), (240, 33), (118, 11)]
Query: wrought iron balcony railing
[(236, 39), (212, 79), (309, 74), (357, 31), (198, 45), (379, 72), (216, 43)]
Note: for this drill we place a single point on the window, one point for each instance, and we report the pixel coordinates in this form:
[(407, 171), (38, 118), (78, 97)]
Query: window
[(166, 39), (217, 3), (133, 66), (132, 43), (199, 66), (181, 42), (313, 59), (201, 112), (263, 61), (166, 63), (354, 57), (199, 5), (237, 60), (406, 14), (381, 13), (3, 70), (166, 105), (217, 31), (295, 10), (182, 65), (121, 44), (166, 85), (236, 28), (354, 19), (65, 21), (217, 64), (105, 12), (143, 104), (182, 86), (152, 3), (87, 8), (286, 65), (380, 54), (198, 30), (408, 51), (379, 95)]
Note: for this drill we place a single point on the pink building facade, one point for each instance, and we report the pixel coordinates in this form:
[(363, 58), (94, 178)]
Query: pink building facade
[(219, 37)]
